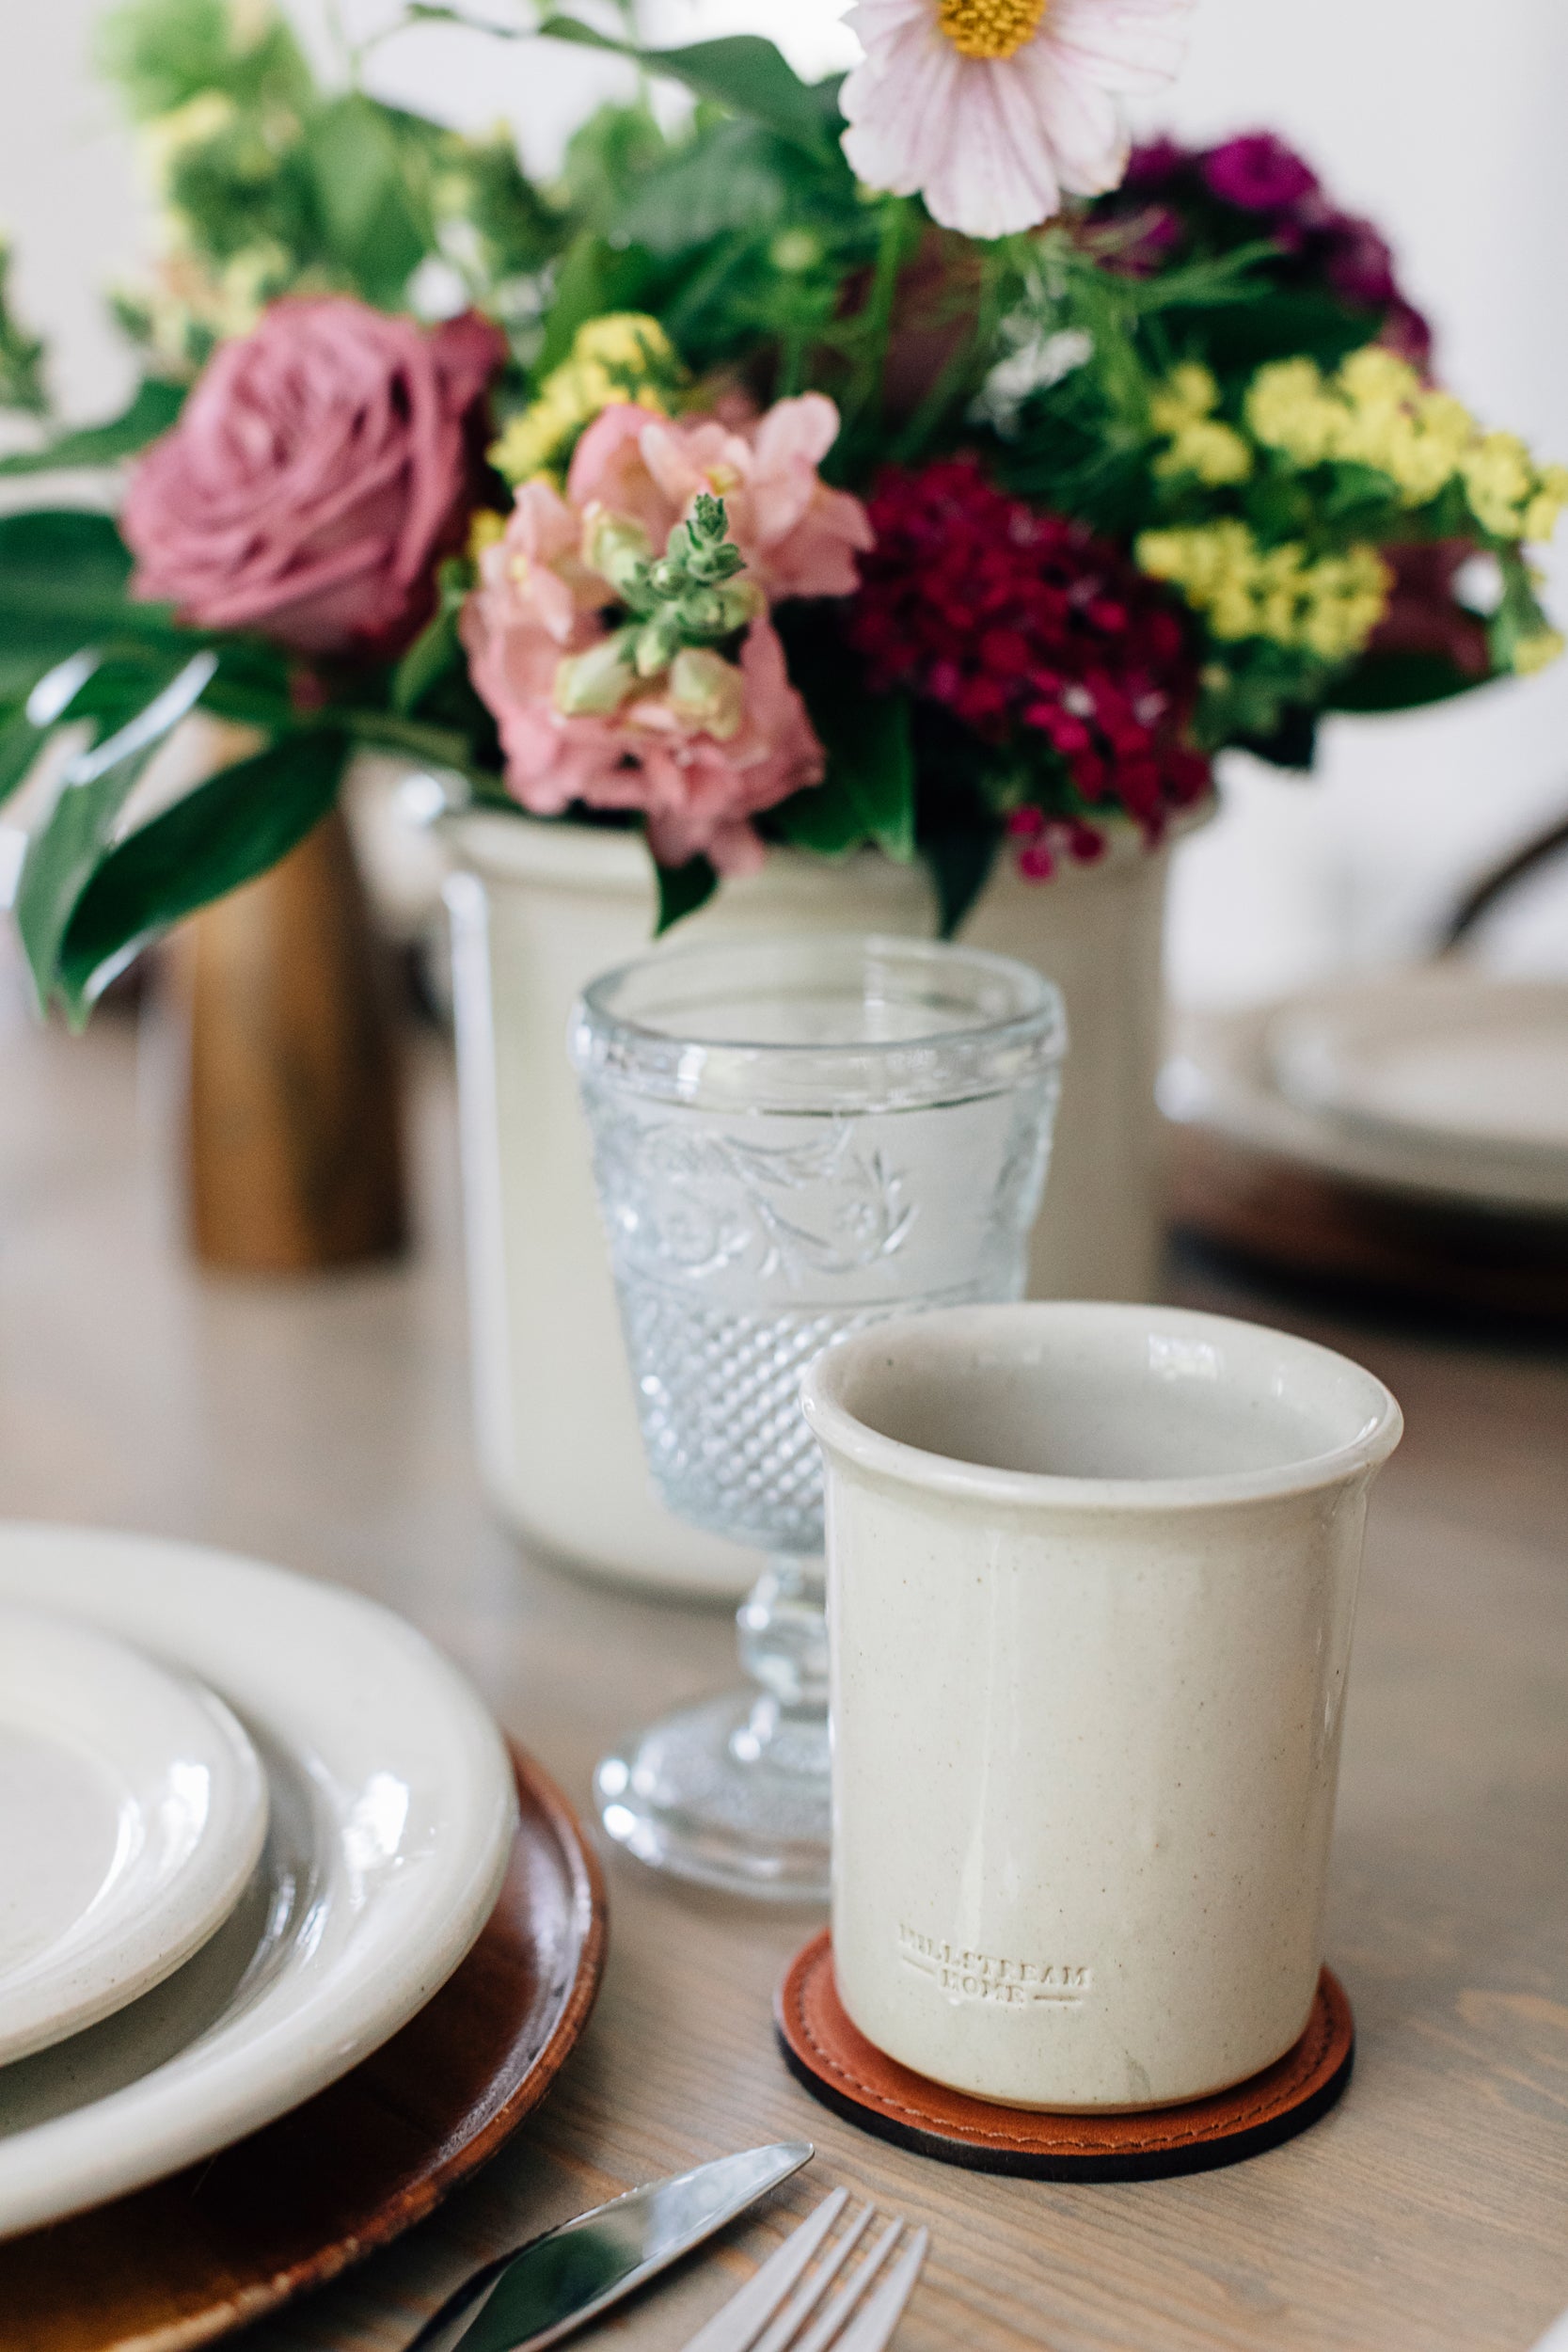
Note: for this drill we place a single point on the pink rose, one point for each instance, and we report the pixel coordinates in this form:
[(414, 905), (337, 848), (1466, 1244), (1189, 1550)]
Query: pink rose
[(706, 745), (320, 466)]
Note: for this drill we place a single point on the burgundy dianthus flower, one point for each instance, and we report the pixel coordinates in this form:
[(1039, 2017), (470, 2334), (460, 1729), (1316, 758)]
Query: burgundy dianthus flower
[(1018, 623)]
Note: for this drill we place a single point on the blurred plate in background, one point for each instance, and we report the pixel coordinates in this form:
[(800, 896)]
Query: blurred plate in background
[(1462, 1079), (1363, 1206)]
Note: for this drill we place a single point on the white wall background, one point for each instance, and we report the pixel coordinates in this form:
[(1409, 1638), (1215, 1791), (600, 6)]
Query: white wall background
[(1442, 121)]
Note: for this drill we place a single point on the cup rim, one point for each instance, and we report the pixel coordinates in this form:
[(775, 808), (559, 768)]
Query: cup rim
[(995, 1051), (841, 1431), (1038, 1009)]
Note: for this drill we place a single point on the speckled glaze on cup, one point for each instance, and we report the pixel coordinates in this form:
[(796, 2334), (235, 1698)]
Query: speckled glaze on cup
[(1092, 1574)]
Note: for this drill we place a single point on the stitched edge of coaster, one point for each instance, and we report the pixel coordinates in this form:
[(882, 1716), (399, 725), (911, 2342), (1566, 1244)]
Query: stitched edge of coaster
[(1303, 2063)]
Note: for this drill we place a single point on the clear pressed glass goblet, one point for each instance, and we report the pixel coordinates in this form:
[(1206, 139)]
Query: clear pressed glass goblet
[(792, 1139)]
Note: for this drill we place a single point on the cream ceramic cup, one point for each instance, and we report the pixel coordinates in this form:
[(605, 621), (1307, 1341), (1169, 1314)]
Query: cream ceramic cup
[(1091, 1576)]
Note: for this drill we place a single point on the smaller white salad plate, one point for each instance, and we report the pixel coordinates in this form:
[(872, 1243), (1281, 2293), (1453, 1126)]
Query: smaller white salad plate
[(1439, 1084), (1464, 1077), (392, 1812), (132, 1809)]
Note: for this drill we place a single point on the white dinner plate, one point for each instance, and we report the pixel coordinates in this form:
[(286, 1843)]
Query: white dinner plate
[(131, 1812), (392, 1811), (1464, 1076)]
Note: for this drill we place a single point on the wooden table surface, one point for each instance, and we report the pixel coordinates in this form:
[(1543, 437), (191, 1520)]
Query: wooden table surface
[(326, 1425)]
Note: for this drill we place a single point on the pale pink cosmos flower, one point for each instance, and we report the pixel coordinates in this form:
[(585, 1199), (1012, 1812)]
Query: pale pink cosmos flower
[(707, 746), (992, 109)]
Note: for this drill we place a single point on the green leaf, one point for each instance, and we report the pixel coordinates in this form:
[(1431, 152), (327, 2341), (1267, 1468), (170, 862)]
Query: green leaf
[(1246, 332), (743, 72), (250, 684), (365, 197), (21, 355), (594, 277), (153, 409), (726, 181), (231, 828), (62, 584), (606, 158), (1290, 742), (682, 889), (1400, 681), (26, 729), (868, 791), (64, 854), (481, 186), (960, 858), (20, 743), (431, 654), (825, 818), (163, 51)]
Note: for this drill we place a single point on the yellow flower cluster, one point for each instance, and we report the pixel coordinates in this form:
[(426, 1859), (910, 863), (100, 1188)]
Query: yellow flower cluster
[(1326, 606), (209, 116), (1509, 494), (1375, 411), (487, 529), (1537, 652), (621, 356), (1200, 443)]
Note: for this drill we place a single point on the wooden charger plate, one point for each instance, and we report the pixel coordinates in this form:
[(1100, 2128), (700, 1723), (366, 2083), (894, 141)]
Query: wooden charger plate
[(1281, 1218), (214, 2247), (1291, 1192)]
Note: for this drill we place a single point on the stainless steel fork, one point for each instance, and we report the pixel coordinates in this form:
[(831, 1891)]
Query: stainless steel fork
[(853, 2304)]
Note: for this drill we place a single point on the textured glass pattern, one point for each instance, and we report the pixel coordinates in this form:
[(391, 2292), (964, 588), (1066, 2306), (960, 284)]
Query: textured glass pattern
[(745, 1243)]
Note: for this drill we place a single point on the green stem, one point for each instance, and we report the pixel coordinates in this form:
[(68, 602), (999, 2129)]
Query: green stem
[(871, 364), (792, 363), (444, 746), (908, 445)]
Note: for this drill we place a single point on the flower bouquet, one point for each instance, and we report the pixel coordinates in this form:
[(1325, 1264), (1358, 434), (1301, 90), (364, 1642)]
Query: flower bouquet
[(895, 461)]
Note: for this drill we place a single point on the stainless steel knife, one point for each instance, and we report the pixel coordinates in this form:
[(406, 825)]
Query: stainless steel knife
[(558, 2281)]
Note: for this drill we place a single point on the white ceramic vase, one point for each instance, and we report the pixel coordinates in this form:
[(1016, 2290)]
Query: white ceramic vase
[(537, 911)]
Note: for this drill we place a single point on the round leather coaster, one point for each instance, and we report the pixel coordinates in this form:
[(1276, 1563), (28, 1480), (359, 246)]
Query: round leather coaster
[(837, 2065)]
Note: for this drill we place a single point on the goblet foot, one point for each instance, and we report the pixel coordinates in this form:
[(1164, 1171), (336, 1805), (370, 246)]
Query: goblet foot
[(733, 1792)]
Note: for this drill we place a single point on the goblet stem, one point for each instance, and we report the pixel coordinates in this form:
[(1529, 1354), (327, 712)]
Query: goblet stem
[(782, 1627), (735, 1791)]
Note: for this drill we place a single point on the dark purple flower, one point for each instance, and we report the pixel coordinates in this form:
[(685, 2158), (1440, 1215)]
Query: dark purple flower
[(1257, 173), (1358, 265), (1407, 332), (1143, 240), (1313, 212), (1154, 164)]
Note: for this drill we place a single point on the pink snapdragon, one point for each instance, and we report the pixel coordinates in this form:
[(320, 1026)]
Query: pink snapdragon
[(707, 743)]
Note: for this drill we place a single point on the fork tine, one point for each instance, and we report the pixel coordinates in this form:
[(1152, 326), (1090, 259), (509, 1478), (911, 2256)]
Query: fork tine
[(736, 2328), (826, 2328), (870, 2331), (810, 2293)]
